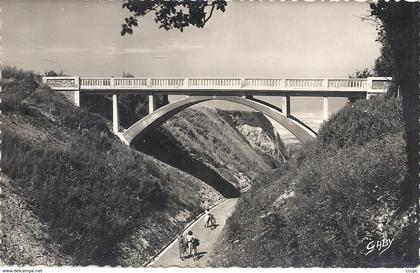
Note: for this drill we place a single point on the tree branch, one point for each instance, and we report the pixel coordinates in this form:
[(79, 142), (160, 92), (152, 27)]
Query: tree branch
[(211, 13)]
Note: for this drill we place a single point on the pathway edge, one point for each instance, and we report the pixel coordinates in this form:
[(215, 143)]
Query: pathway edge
[(163, 250)]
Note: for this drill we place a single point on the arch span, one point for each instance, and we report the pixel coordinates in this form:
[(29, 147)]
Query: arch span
[(303, 133)]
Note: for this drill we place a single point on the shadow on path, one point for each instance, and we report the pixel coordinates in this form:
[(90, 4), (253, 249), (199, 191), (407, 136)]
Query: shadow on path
[(208, 240)]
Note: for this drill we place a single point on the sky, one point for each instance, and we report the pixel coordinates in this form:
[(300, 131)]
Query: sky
[(250, 39)]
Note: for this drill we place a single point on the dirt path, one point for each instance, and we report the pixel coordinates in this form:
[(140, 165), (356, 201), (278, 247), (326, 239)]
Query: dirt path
[(208, 238)]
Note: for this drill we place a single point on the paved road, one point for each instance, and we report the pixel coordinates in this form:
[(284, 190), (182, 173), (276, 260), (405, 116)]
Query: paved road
[(208, 238)]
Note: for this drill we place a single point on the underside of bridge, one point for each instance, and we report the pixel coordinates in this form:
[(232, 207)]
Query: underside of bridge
[(155, 118)]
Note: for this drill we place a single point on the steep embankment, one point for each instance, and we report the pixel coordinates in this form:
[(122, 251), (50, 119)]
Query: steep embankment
[(343, 191), (258, 132), (82, 197), (220, 147)]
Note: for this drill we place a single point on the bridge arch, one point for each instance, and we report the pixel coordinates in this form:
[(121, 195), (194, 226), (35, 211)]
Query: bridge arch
[(296, 127)]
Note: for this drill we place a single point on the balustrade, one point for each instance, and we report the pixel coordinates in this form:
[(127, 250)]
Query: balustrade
[(95, 82), (214, 82), (270, 83), (130, 82), (347, 83), (166, 82), (304, 83), (98, 83)]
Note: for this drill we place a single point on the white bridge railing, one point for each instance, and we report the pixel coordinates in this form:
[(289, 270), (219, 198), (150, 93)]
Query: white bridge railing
[(373, 84)]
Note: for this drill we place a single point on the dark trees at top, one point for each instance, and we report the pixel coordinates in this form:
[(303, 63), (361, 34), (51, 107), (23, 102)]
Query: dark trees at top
[(170, 14)]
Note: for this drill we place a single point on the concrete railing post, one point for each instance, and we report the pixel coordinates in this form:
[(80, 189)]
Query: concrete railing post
[(115, 118), (325, 84), (242, 83), (185, 83), (112, 83), (283, 84)]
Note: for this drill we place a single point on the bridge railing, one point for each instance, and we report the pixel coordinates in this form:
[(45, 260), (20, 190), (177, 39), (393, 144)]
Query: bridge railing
[(348, 83), (214, 83), (130, 82), (95, 83), (62, 83), (372, 84)]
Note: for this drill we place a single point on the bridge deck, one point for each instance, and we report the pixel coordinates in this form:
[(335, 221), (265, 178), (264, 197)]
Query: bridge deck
[(221, 86)]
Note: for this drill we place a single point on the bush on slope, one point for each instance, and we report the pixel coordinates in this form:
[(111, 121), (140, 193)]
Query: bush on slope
[(91, 190), (338, 194)]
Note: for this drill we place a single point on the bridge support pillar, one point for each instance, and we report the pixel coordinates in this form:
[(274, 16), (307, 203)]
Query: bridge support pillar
[(151, 101), (325, 108), (77, 98), (115, 118), (286, 106)]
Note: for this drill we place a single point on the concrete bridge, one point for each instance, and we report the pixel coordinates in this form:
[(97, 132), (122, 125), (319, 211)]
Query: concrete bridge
[(237, 90)]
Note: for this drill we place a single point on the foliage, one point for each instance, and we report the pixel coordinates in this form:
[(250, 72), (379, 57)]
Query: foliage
[(171, 14), (364, 73), (385, 64), (394, 24), (369, 119), (132, 107), (334, 197), (398, 25), (53, 73)]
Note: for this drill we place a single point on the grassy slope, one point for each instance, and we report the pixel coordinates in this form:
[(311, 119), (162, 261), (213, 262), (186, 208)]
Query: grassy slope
[(322, 208), (91, 193)]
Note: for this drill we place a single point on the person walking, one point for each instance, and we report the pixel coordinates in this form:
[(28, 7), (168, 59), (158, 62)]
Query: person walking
[(182, 244), (212, 222), (190, 241), (206, 218)]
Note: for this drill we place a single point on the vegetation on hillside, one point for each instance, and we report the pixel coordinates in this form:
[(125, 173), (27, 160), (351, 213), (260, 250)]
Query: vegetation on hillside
[(131, 107), (92, 191), (204, 143), (336, 195)]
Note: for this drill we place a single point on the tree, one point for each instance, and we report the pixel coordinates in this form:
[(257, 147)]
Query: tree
[(364, 73), (384, 64), (398, 25), (170, 14)]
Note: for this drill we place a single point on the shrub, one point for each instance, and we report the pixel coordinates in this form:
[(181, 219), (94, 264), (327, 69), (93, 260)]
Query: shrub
[(337, 194)]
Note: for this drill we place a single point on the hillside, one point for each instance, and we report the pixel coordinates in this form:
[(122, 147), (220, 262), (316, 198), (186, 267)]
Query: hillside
[(94, 200), (325, 206), (209, 145), (89, 199)]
